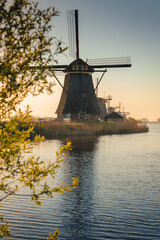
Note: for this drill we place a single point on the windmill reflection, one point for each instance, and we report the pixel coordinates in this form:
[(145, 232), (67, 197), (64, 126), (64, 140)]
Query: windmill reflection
[(80, 201)]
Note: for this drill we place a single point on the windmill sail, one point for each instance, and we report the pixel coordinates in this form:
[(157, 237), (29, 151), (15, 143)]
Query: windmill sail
[(98, 63), (73, 34), (109, 62)]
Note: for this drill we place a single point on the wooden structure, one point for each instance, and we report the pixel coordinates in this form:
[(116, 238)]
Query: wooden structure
[(114, 117), (78, 96)]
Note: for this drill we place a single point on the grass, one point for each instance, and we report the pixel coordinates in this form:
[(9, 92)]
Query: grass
[(52, 130)]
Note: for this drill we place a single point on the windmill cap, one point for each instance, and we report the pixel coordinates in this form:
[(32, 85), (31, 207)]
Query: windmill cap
[(78, 65)]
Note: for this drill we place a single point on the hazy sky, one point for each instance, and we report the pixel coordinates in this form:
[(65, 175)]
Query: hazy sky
[(113, 28)]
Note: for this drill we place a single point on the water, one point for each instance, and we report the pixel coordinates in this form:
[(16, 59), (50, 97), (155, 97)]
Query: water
[(118, 196)]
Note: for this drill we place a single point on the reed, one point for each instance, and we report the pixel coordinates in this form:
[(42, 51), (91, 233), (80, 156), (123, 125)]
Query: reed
[(54, 130)]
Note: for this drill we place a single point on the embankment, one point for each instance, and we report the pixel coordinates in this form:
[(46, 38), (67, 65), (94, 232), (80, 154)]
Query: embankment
[(52, 130)]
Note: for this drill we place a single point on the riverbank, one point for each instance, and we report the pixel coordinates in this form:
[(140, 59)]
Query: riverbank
[(51, 130)]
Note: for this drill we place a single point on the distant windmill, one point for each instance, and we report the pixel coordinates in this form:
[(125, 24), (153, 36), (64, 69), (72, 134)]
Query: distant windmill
[(119, 107), (104, 104), (124, 114), (78, 93), (108, 99)]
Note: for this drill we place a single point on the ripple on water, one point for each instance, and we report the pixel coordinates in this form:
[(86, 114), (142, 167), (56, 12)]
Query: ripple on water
[(118, 196)]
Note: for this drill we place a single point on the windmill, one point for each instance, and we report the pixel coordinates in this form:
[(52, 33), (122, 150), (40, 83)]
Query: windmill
[(119, 107), (108, 99), (104, 105), (78, 96), (124, 114)]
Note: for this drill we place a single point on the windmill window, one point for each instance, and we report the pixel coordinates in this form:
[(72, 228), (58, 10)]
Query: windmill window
[(75, 67), (84, 67), (80, 67)]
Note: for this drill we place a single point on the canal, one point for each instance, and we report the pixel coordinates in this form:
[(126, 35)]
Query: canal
[(118, 196)]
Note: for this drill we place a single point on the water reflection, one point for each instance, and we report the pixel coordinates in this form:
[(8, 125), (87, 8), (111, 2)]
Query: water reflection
[(82, 144), (118, 196), (80, 201)]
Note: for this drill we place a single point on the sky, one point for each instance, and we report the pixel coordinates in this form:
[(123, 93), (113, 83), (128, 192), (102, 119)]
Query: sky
[(112, 28)]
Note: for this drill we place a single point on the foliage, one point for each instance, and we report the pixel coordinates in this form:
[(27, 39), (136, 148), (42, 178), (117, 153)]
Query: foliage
[(17, 171), (25, 41), (54, 237), (130, 119), (54, 129), (4, 229), (26, 48)]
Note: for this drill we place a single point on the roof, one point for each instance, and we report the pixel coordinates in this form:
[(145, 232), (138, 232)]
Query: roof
[(78, 65), (114, 115)]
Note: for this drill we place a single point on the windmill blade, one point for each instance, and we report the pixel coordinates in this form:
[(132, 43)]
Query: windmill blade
[(109, 62), (77, 34), (59, 68), (71, 32), (60, 73)]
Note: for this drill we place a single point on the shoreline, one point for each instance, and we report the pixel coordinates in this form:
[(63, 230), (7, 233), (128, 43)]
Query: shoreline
[(54, 130)]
